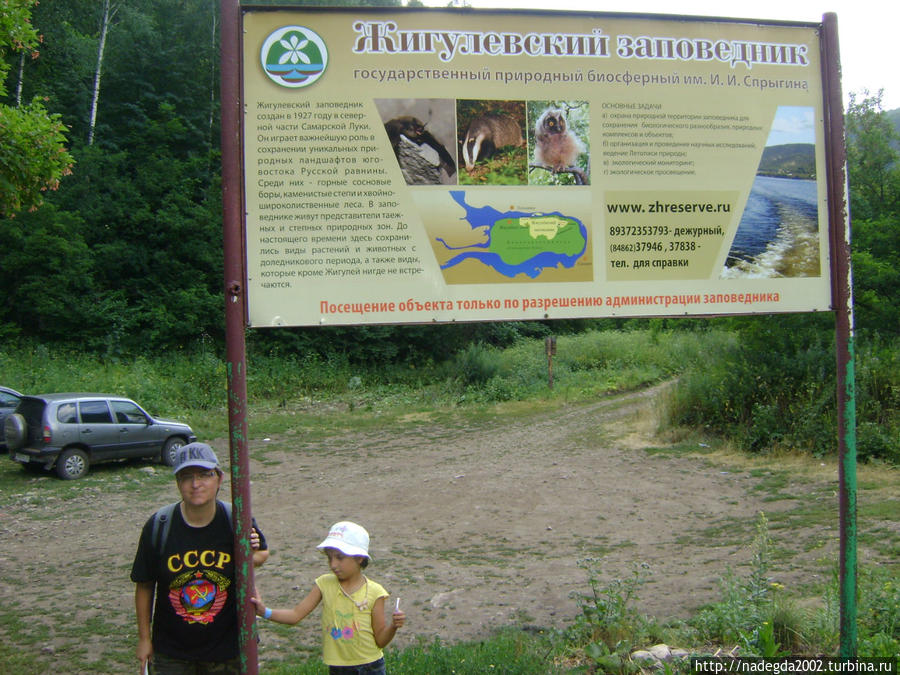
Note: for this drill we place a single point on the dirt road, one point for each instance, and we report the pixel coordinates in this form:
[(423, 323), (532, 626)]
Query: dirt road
[(482, 527)]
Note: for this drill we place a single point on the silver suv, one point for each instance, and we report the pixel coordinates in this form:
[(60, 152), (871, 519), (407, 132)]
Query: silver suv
[(72, 431)]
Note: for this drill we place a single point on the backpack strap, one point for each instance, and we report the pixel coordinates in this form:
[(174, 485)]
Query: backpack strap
[(162, 521), (227, 507)]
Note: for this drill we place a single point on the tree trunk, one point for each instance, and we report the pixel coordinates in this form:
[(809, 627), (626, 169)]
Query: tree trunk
[(95, 97), (21, 75)]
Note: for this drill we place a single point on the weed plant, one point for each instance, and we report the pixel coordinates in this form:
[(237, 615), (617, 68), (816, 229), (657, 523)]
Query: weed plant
[(609, 626)]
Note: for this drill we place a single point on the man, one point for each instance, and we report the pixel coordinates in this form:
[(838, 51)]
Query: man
[(186, 558)]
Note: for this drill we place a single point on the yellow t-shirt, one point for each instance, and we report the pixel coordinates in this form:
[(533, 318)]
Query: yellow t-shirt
[(347, 636)]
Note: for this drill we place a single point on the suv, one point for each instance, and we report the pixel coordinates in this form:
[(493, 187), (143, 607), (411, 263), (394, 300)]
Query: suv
[(9, 399), (73, 431)]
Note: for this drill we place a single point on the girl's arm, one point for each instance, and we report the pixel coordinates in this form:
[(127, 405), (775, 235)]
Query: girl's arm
[(383, 631), (290, 616)]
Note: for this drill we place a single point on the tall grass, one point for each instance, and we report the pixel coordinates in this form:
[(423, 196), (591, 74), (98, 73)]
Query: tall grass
[(773, 386), (763, 384)]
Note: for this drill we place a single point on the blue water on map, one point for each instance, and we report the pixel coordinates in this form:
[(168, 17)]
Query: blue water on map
[(484, 217)]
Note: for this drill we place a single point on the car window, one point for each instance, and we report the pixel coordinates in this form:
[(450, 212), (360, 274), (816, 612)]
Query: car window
[(95, 412), (8, 400), (67, 414), (127, 412)]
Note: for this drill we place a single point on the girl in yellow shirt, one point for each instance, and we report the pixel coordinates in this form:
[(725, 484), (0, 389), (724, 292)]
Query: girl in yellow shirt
[(354, 627)]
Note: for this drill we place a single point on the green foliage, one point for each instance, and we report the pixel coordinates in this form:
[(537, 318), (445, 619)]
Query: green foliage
[(874, 166), (507, 651), (753, 612), (879, 605), (773, 388), (476, 364), (33, 156), (872, 160), (609, 624), (16, 33), (746, 602)]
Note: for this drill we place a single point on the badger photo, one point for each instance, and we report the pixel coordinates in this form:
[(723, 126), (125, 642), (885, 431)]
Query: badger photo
[(491, 138)]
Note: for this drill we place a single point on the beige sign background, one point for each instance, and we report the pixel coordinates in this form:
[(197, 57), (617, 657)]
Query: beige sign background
[(434, 165)]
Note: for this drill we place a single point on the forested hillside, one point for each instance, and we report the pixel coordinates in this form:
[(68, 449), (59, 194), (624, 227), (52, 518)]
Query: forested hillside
[(124, 257)]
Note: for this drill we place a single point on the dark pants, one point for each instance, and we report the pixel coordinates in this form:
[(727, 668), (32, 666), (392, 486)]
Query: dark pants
[(160, 664), (374, 668)]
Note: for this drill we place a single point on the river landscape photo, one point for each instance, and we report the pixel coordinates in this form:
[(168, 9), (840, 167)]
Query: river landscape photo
[(778, 235)]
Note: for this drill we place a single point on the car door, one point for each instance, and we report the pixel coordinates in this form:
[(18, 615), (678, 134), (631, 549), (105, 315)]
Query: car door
[(97, 430), (137, 437)]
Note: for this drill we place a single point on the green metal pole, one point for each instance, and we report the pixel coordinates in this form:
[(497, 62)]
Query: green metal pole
[(842, 301)]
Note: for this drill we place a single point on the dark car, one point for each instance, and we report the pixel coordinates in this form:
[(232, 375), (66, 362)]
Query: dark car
[(72, 431), (9, 399)]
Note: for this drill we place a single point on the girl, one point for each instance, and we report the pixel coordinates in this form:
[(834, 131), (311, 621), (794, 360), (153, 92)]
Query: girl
[(354, 628)]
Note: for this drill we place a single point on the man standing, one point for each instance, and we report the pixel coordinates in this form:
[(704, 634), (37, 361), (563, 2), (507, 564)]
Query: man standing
[(186, 558)]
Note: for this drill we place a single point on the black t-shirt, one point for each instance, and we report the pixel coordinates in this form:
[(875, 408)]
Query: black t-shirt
[(194, 615)]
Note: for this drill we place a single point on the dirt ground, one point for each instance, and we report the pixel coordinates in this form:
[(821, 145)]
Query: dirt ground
[(473, 526), (479, 527)]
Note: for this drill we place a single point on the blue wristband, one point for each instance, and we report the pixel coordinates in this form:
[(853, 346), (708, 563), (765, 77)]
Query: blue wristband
[(267, 614)]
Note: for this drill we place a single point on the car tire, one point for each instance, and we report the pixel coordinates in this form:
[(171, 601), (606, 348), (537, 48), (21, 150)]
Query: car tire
[(170, 449), (72, 463), (15, 431)]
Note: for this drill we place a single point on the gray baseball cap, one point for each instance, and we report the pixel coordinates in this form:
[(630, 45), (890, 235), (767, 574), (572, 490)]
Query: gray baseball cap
[(195, 454)]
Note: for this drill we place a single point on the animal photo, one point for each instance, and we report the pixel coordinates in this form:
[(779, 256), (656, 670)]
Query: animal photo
[(422, 136), (559, 143), (492, 142)]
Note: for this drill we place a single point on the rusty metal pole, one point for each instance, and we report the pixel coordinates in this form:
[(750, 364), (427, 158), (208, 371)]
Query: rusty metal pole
[(235, 313), (842, 300)]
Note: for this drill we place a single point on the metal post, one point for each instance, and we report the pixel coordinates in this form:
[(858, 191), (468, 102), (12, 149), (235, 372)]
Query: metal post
[(235, 313), (842, 300)]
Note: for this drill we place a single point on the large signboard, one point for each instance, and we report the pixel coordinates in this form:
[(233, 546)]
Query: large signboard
[(439, 165)]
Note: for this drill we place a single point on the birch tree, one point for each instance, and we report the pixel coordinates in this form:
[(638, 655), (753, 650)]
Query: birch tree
[(107, 16)]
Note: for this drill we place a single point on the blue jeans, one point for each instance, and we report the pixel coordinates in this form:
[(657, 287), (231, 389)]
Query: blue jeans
[(374, 668)]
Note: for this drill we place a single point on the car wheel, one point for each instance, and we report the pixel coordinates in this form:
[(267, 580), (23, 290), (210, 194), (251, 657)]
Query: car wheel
[(170, 449), (72, 463), (15, 431)]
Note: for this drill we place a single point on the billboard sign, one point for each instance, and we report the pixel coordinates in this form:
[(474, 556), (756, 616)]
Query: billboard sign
[(421, 165)]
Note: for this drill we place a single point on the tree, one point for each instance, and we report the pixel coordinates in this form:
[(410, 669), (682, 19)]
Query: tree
[(872, 160), (874, 168), (33, 156), (107, 16)]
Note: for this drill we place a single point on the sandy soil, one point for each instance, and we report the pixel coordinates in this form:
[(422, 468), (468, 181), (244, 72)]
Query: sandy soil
[(473, 526)]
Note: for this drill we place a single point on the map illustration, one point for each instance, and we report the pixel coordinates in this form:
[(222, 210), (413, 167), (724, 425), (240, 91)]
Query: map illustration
[(518, 242)]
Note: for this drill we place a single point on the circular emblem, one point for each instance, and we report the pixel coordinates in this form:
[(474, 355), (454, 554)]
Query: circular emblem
[(197, 595), (294, 56)]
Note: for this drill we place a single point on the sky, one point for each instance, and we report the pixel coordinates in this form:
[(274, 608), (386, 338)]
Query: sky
[(867, 29)]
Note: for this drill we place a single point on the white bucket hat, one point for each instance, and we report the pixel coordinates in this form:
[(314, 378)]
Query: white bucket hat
[(348, 538)]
